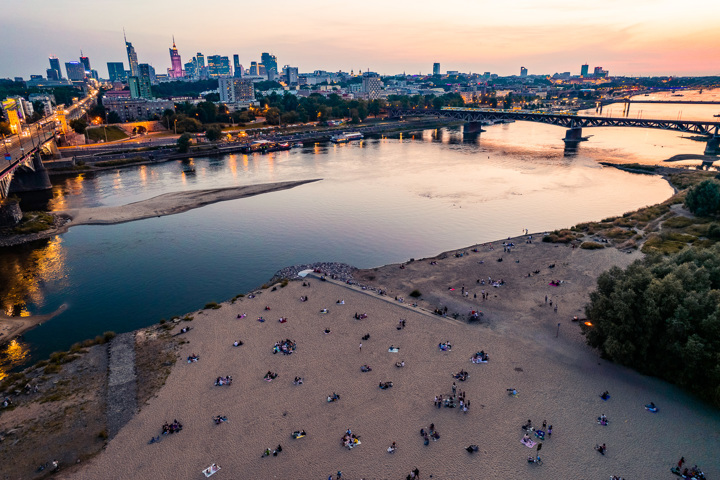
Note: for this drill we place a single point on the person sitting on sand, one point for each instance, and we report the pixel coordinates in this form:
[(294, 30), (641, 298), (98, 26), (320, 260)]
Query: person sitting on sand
[(605, 395), (326, 331), (472, 448), (392, 448), (601, 448), (525, 438), (237, 343), (340, 302), (365, 368), (267, 308), (298, 381), (400, 364)]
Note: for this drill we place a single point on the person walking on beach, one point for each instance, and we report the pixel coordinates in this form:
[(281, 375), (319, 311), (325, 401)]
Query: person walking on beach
[(361, 347), (545, 299)]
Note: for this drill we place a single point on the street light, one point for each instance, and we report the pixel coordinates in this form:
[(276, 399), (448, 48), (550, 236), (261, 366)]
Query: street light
[(175, 126)]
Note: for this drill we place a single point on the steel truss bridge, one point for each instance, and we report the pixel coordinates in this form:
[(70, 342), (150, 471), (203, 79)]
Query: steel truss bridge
[(7, 172), (567, 120)]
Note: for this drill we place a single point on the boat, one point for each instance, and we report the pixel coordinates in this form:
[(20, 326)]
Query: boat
[(264, 146), (297, 145), (346, 137)]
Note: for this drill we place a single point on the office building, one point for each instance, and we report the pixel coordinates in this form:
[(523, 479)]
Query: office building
[(436, 69), (132, 58), (235, 91), (13, 113), (270, 62), (291, 75), (237, 68), (46, 101), (55, 65), (371, 85), (190, 69), (132, 109), (200, 58), (52, 74), (600, 73), (85, 61), (116, 72), (75, 71), (140, 84), (175, 70), (218, 66), (253, 68), (523, 72), (584, 70)]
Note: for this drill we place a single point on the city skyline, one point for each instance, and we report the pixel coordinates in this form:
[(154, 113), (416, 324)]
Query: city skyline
[(645, 38)]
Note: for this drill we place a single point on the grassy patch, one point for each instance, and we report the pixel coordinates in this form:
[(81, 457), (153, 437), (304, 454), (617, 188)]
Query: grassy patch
[(114, 133), (591, 245), (655, 243), (34, 222), (618, 233), (560, 236), (212, 305), (678, 222)]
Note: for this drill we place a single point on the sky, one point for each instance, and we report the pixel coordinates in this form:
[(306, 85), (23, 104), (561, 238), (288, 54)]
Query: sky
[(626, 37)]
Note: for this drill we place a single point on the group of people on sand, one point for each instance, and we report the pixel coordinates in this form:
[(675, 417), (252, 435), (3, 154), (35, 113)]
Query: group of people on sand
[(360, 316), (691, 473), (286, 347), (298, 381), (462, 375), (445, 346), (218, 419), (193, 358), (385, 385), (173, 427), (480, 357), (429, 433), (304, 298), (334, 397), (270, 376), (602, 420), (269, 452), (401, 324), (350, 440), (455, 400), (540, 433), (365, 368), (220, 381)]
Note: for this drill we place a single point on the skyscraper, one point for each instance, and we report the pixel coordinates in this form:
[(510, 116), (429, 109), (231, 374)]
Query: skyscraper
[(236, 90), (372, 85), (253, 68), (116, 71), (291, 75), (85, 61), (436, 69), (523, 72), (237, 68), (584, 70), (75, 71), (140, 84), (218, 66), (175, 70), (55, 65), (132, 58), (270, 61)]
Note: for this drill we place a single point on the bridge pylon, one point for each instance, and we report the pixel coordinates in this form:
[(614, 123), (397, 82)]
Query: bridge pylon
[(713, 146)]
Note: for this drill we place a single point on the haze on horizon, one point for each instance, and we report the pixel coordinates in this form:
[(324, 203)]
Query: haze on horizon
[(626, 37)]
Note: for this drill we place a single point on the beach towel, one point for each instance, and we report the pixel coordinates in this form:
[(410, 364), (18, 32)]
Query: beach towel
[(394, 350), (528, 443), (211, 470)]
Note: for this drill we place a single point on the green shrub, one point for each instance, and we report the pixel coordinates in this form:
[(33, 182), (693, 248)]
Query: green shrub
[(591, 245), (213, 305), (52, 368), (415, 293), (704, 198), (107, 336), (678, 222), (714, 231)]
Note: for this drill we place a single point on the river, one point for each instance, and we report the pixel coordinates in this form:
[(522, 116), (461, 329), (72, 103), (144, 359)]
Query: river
[(382, 200)]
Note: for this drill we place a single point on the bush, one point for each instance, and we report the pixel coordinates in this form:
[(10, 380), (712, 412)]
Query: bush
[(592, 245), (52, 368), (107, 336), (704, 198), (661, 316), (678, 222), (415, 293), (183, 143), (560, 236), (213, 305), (714, 231)]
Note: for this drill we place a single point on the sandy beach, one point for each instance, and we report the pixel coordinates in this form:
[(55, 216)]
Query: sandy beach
[(558, 379), (171, 203), (11, 327)]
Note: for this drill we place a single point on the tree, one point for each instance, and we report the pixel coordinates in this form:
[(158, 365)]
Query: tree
[(187, 124), (272, 116), (113, 117), (39, 107), (213, 134), (79, 125), (183, 143), (5, 128), (704, 198)]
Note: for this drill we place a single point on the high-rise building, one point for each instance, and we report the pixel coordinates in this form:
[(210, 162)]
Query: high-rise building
[(253, 68), (200, 60), (600, 73), (236, 90), (237, 68), (436, 69), (75, 71), (270, 61), (116, 71), (52, 74), (261, 69), (190, 69), (132, 58), (584, 70), (55, 65), (85, 61), (291, 75), (371, 85), (218, 66), (175, 70), (523, 72), (140, 84)]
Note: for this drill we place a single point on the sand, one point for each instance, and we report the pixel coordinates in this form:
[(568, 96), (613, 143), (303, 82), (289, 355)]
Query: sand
[(559, 380), (11, 327), (170, 203)]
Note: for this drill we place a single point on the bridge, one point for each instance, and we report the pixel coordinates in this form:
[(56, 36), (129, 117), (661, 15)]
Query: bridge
[(24, 161), (610, 101), (574, 123)]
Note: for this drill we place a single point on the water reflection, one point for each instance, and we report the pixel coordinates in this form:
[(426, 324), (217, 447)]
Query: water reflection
[(25, 272), (13, 354)]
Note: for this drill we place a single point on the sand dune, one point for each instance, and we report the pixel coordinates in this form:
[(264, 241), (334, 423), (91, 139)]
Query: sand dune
[(559, 380)]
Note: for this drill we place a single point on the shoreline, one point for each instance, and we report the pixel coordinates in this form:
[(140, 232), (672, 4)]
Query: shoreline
[(13, 327), (161, 205)]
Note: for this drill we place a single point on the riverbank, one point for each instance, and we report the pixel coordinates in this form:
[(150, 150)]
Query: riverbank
[(12, 327), (533, 347), (166, 204)]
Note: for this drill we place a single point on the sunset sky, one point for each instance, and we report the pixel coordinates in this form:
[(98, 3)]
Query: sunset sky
[(626, 37)]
